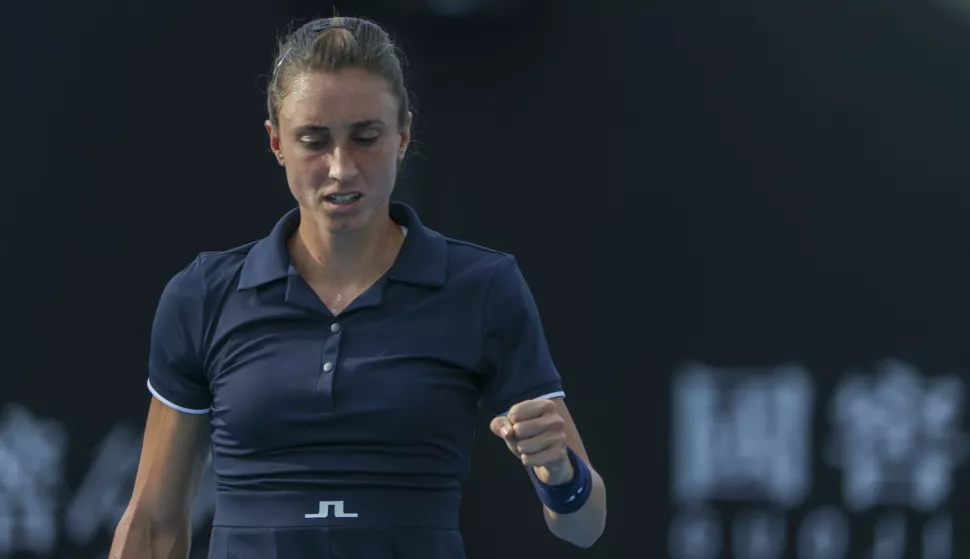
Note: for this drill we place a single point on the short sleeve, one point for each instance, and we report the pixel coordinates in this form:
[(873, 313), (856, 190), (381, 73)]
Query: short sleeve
[(516, 351), (175, 372)]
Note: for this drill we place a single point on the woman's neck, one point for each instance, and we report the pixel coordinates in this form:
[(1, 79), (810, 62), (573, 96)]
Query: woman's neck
[(345, 258)]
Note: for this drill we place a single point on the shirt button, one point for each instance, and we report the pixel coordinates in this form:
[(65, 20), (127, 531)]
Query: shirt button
[(334, 327), (327, 367)]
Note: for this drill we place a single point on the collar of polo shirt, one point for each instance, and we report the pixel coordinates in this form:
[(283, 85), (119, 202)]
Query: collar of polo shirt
[(422, 260)]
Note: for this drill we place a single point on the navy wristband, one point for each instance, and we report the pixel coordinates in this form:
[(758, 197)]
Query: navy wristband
[(568, 498)]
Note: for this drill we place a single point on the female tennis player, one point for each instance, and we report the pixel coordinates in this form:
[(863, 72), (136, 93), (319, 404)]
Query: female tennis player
[(336, 368)]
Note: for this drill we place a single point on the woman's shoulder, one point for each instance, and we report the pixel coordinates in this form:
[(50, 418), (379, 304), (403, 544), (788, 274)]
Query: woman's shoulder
[(464, 254), (211, 269), (480, 264)]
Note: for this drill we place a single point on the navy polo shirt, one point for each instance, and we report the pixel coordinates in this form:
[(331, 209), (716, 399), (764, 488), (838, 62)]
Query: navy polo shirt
[(387, 393)]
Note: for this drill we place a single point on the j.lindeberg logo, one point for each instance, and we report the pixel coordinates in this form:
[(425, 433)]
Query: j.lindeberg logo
[(338, 510)]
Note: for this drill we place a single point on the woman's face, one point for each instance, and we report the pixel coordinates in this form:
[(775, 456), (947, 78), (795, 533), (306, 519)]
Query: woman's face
[(340, 142)]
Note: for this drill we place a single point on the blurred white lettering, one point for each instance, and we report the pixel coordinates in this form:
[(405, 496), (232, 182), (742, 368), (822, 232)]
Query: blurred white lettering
[(824, 535), (696, 534), (742, 435), (31, 477), (937, 538), (759, 535), (745, 435), (896, 437), (890, 541)]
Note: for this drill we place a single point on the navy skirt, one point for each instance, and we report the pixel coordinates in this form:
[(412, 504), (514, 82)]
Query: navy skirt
[(342, 524)]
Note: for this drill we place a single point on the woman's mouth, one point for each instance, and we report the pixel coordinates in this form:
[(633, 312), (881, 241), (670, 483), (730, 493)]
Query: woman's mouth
[(345, 199)]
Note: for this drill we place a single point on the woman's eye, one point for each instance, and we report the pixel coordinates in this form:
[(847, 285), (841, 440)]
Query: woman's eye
[(313, 143)]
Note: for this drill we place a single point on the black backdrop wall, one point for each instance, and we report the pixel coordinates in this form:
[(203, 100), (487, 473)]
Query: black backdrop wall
[(744, 225)]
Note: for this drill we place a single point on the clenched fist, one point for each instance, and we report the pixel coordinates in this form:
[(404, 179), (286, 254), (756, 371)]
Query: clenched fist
[(535, 432)]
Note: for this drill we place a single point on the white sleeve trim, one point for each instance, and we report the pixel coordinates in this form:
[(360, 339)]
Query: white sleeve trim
[(548, 396), (168, 403)]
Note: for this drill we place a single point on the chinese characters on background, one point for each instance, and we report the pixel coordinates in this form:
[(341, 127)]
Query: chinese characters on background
[(38, 512), (746, 437)]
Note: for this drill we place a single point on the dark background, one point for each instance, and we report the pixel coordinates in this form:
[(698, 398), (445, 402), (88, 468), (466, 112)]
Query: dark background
[(743, 185)]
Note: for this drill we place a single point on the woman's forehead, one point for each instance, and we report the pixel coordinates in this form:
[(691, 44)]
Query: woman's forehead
[(338, 98)]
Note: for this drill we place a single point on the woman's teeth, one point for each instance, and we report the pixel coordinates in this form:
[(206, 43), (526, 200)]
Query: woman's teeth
[(343, 198)]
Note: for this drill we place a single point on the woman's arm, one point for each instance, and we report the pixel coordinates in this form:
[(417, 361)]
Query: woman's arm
[(156, 522), (541, 432), (585, 526)]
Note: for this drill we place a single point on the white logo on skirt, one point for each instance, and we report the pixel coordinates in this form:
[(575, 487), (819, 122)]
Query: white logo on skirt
[(338, 510)]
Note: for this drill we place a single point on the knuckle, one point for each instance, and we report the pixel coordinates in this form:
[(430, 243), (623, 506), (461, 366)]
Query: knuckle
[(554, 424)]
